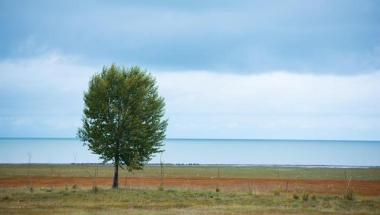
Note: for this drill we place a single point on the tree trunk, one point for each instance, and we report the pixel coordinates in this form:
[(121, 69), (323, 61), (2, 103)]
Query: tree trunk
[(115, 182)]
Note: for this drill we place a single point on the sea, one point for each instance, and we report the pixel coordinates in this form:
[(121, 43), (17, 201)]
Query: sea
[(205, 152)]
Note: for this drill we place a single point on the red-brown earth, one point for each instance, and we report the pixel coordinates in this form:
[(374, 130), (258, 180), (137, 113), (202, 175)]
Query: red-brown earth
[(318, 186)]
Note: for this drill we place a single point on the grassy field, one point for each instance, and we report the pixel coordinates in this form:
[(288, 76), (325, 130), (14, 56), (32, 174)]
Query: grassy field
[(149, 201), (70, 198), (270, 172)]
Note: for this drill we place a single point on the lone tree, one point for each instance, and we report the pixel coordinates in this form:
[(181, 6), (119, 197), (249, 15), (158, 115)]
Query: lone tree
[(122, 119)]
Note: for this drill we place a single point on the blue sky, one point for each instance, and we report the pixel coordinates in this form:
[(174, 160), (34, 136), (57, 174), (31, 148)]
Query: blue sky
[(227, 69)]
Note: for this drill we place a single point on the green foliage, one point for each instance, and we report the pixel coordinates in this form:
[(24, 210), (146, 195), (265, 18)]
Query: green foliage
[(122, 119)]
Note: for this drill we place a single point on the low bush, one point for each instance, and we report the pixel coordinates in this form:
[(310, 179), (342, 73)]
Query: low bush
[(30, 188), (305, 196), (295, 196), (95, 189), (277, 192), (314, 198), (349, 194)]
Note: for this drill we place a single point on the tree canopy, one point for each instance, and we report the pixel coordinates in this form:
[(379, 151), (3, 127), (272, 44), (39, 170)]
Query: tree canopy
[(123, 117)]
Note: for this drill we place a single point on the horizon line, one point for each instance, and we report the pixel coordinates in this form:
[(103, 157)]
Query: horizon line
[(222, 139)]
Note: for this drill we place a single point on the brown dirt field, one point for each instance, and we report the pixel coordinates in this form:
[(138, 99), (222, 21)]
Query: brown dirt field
[(361, 187)]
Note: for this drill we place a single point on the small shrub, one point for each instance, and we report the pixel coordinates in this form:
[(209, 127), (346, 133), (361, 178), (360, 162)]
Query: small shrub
[(74, 186), (314, 198), (349, 195), (277, 192), (217, 189), (210, 195), (250, 190), (171, 191), (95, 189), (161, 188), (65, 194), (305, 196), (295, 196), (31, 189), (5, 198)]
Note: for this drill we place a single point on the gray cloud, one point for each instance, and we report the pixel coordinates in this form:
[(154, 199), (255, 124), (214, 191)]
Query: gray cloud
[(323, 37)]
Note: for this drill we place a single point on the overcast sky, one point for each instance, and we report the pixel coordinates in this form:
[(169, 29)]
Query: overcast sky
[(227, 69)]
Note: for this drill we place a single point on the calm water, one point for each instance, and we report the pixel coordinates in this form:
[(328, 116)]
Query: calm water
[(281, 152)]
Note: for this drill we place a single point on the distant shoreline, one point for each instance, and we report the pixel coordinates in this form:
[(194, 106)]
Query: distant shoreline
[(190, 139), (219, 165)]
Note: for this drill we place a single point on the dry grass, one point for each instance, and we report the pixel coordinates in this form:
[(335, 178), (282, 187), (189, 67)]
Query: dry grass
[(152, 201)]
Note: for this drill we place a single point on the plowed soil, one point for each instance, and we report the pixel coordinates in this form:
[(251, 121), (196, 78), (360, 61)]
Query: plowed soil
[(361, 187)]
